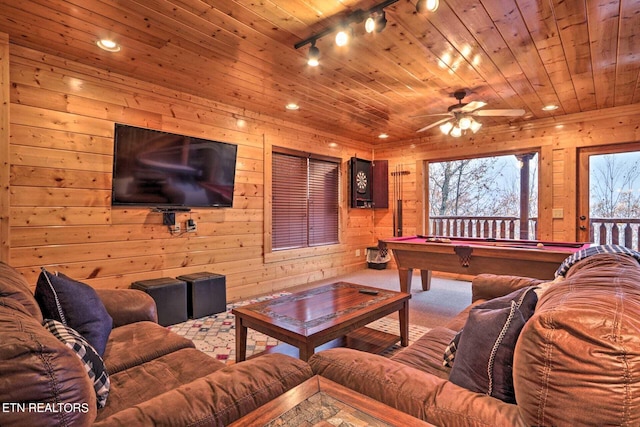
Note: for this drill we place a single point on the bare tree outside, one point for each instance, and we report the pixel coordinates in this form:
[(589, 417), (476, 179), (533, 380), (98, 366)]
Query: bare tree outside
[(614, 199), (480, 188), (615, 186), (471, 193)]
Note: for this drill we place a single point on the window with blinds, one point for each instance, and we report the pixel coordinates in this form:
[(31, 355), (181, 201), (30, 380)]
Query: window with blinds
[(305, 200)]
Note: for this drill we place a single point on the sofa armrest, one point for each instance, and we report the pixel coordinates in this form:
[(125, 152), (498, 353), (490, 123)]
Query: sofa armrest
[(488, 286), (412, 391), (219, 398), (128, 306)]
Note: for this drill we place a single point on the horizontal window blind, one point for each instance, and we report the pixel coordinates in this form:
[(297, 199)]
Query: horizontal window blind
[(305, 201), (323, 202)]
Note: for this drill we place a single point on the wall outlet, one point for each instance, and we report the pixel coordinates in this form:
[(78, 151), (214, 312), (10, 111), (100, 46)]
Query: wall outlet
[(174, 228), (557, 213), (357, 252), (191, 226)]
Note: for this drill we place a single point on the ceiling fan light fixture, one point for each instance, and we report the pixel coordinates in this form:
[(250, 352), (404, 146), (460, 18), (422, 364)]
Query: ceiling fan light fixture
[(464, 123), (456, 132), (313, 58), (445, 128), (475, 126)]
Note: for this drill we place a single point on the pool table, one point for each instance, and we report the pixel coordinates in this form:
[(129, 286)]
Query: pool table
[(473, 256)]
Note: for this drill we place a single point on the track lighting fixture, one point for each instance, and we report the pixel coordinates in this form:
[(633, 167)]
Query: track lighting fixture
[(313, 59), (427, 5), (376, 21)]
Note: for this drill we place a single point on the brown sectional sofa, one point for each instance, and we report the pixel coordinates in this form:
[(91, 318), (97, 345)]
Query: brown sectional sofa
[(576, 361), (157, 378)]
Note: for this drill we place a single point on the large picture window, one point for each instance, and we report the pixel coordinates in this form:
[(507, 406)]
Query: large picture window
[(305, 200), (484, 197)]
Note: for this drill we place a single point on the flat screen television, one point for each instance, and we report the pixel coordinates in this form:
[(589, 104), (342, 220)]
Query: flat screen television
[(165, 170)]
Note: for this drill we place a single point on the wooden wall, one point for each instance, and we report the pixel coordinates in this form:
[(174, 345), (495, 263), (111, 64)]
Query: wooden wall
[(60, 149), (56, 139), (558, 142)]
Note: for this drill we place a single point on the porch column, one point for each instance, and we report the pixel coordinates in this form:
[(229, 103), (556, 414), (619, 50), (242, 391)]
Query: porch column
[(524, 194)]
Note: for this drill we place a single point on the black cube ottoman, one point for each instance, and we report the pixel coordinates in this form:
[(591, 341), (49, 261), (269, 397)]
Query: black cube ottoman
[(206, 293), (170, 296)]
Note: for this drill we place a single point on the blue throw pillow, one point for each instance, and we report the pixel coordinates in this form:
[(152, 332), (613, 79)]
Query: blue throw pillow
[(92, 362), (76, 305), (484, 356)]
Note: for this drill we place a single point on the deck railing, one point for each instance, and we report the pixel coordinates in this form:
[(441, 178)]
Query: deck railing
[(617, 231)]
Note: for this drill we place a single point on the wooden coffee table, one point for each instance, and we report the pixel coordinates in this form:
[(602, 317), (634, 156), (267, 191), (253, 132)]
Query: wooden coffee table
[(335, 314), (319, 402)]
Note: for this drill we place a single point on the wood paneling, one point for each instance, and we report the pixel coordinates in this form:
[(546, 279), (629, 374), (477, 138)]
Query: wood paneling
[(4, 148), (558, 143), (581, 56), (60, 153)]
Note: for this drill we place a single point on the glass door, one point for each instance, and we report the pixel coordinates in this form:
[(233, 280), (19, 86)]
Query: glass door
[(609, 195)]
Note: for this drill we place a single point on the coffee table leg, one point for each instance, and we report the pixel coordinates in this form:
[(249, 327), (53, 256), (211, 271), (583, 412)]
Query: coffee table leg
[(306, 351), (241, 340), (404, 324)]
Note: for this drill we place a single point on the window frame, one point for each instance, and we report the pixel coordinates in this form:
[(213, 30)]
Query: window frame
[(277, 255)]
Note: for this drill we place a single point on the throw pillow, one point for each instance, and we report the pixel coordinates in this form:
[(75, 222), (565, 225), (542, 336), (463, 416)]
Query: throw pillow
[(451, 350), (484, 357), (93, 363), (76, 305)]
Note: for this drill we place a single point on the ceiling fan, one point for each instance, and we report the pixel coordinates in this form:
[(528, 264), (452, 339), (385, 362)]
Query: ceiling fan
[(460, 117)]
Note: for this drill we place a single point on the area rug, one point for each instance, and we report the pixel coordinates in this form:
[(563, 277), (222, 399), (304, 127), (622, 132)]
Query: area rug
[(215, 335)]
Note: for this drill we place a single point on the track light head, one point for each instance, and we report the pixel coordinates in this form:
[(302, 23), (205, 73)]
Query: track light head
[(370, 24), (381, 21), (313, 58), (342, 37), (427, 5)]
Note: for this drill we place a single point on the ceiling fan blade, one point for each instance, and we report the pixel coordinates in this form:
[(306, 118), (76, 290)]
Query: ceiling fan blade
[(433, 124), (472, 106), (495, 113), (431, 115)]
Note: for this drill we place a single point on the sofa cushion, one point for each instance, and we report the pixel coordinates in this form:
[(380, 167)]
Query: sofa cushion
[(426, 353), (76, 305), (137, 343), (39, 370), (145, 381), (13, 285), (91, 361), (577, 361), (484, 358), (216, 399)]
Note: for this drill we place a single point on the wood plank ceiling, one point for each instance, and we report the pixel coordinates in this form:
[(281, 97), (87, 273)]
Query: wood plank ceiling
[(525, 54)]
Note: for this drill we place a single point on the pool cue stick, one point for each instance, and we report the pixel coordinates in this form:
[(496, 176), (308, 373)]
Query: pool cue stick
[(399, 173)]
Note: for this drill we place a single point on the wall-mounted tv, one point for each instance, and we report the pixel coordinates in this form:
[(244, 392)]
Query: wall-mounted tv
[(161, 169)]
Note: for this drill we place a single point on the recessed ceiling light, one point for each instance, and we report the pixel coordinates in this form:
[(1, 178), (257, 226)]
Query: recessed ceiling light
[(383, 136), (292, 106), (108, 45), (549, 107)]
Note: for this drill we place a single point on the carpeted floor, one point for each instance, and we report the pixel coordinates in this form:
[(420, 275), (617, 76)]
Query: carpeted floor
[(215, 335), (445, 299)]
